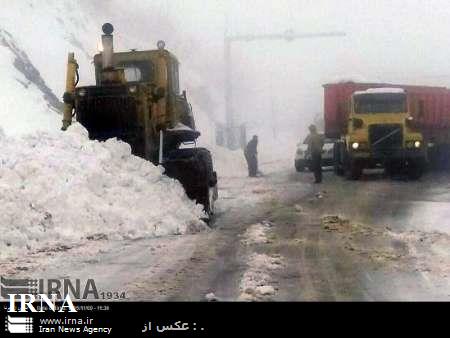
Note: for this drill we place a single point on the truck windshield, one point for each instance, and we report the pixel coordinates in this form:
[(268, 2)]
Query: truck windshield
[(380, 103)]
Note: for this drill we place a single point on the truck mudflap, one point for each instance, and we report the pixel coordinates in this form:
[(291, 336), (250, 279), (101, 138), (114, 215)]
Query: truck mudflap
[(412, 167), (193, 167), (439, 156)]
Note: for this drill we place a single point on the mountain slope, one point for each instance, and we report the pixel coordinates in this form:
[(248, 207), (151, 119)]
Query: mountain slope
[(34, 55), (26, 102)]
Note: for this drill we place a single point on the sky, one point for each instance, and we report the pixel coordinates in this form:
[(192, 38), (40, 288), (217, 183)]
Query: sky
[(279, 82), (277, 85)]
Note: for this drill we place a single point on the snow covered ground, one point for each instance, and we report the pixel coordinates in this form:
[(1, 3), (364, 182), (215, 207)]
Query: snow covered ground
[(256, 281), (142, 265), (62, 188), (68, 202)]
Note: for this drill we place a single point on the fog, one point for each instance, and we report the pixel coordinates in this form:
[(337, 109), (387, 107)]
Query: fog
[(70, 206), (277, 85)]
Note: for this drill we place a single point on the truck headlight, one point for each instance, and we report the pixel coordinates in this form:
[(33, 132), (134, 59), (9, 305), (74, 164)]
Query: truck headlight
[(132, 89), (355, 145), (414, 144), (82, 92)]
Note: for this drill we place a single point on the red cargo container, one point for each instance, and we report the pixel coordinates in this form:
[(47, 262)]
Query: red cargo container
[(430, 106)]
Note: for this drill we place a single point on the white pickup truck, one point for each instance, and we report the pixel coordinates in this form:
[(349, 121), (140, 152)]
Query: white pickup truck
[(303, 157)]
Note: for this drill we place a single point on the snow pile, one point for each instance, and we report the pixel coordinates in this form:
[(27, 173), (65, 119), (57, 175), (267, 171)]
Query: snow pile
[(256, 281), (62, 187), (430, 249), (255, 234), (278, 155), (229, 163)]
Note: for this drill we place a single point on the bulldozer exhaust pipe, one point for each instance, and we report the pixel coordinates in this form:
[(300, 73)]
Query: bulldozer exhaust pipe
[(108, 46), (161, 147)]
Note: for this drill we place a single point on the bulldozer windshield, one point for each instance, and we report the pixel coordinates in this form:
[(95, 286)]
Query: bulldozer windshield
[(380, 103), (138, 71)]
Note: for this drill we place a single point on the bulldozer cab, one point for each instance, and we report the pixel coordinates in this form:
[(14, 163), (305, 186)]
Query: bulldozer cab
[(156, 67), (136, 98), (152, 78)]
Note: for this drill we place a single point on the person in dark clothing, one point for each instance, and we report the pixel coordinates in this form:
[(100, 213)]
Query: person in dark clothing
[(315, 146), (251, 155)]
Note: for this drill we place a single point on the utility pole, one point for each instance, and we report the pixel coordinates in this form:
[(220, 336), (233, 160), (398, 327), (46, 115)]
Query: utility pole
[(273, 116), (289, 36), (229, 118)]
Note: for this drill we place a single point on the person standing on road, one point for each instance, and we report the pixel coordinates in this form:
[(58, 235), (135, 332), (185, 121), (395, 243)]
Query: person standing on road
[(251, 155), (315, 146)]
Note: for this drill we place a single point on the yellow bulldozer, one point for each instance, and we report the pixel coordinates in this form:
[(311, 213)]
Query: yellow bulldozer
[(137, 99)]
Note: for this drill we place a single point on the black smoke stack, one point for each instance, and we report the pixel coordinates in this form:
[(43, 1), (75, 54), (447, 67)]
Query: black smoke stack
[(108, 46)]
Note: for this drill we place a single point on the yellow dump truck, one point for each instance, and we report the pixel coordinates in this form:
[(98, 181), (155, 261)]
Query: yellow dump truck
[(373, 127)]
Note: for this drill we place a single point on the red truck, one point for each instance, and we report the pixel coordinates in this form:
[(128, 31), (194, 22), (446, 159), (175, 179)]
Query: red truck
[(400, 127)]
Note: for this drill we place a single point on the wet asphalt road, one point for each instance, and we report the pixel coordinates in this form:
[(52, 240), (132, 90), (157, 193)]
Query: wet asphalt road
[(387, 240), (394, 244)]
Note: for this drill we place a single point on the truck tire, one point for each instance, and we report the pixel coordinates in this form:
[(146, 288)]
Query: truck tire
[(393, 168), (353, 170), (193, 167), (415, 169), (206, 194), (206, 198), (337, 163), (338, 169)]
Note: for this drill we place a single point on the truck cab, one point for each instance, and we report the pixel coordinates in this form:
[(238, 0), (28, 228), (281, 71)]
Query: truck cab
[(379, 132)]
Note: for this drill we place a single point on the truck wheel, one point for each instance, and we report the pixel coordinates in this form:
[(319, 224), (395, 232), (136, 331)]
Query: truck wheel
[(207, 197), (392, 168), (193, 167), (353, 170), (415, 169), (210, 190), (337, 163), (208, 193), (338, 169)]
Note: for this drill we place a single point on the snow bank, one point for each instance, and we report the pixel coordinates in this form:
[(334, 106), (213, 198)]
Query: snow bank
[(255, 234), (229, 163), (62, 187), (256, 281)]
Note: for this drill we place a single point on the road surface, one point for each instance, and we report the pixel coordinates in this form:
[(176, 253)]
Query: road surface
[(279, 237)]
